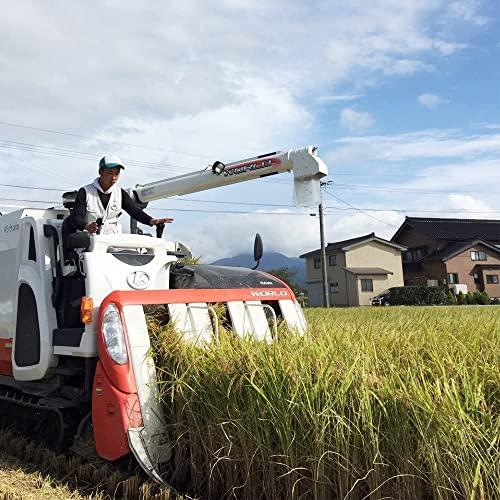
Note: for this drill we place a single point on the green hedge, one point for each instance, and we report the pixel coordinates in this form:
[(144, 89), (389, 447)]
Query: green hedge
[(418, 296)]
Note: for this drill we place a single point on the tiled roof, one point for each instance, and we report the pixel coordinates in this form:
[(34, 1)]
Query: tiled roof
[(339, 245), (454, 229)]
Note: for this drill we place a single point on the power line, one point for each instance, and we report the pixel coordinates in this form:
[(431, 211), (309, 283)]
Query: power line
[(170, 209), (366, 187), (359, 210), (405, 210), (70, 134), (77, 152), (81, 155), (194, 200), (233, 202)]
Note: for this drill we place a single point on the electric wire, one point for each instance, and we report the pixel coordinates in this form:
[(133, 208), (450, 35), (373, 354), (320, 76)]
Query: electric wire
[(233, 202), (81, 155), (366, 187), (359, 210), (168, 209), (80, 136)]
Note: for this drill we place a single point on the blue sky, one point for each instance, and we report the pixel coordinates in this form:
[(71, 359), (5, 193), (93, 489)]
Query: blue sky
[(401, 98)]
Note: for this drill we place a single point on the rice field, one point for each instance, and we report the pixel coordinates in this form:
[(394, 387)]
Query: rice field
[(378, 403)]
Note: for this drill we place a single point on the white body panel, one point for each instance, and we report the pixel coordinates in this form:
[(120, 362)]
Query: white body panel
[(192, 321), (106, 273), (16, 268), (249, 319)]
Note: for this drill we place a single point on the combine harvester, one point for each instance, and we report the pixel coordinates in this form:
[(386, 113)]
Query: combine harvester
[(73, 337)]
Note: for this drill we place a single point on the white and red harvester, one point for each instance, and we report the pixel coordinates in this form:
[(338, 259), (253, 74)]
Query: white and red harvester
[(74, 344)]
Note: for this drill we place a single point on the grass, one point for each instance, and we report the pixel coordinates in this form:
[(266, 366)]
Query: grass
[(399, 403)]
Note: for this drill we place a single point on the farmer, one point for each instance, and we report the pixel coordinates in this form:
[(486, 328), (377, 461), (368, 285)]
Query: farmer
[(99, 204)]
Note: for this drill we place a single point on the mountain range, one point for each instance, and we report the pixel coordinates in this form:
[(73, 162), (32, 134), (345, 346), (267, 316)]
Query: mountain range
[(270, 260)]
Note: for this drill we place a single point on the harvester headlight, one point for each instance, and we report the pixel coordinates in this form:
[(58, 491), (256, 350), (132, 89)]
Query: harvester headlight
[(218, 167), (112, 330)]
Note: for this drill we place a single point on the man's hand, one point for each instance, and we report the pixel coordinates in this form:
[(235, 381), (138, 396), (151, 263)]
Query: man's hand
[(166, 220), (92, 227)]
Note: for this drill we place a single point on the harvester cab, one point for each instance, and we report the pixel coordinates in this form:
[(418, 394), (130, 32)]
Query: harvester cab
[(73, 332)]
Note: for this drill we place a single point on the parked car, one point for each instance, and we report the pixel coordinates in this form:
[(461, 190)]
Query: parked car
[(382, 299)]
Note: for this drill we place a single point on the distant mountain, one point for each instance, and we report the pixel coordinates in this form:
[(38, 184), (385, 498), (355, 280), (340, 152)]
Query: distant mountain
[(270, 260)]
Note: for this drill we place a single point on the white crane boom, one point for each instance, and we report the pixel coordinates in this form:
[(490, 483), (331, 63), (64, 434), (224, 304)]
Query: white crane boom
[(307, 167)]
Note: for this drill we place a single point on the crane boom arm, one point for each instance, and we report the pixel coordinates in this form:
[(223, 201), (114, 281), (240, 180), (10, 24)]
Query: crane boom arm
[(307, 168)]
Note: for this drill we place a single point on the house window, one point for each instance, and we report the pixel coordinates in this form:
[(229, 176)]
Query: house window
[(366, 285), (414, 254), (477, 278), (317, 262), (334, 287), (332, 260), (452, 278), (492, 279), (475, 255)]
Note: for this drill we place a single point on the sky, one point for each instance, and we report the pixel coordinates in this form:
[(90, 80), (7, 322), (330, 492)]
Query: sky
[(400, 97)]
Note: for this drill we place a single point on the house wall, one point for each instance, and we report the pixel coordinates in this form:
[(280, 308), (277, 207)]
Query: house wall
[(335, 274), (434, 270), (380, 283), (375, 254), (369, 254), (463, 265), (352, 289), (311, 273), (491, 289), (315, 294), (411, 238)]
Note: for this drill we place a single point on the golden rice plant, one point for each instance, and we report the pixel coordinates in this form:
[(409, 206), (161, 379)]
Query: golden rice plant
[(399, 403)]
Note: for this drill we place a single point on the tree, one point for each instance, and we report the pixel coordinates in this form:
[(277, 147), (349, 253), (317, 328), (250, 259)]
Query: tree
[(461, 298), (288, 276), (478, 297), (452, 299), (470, 299)]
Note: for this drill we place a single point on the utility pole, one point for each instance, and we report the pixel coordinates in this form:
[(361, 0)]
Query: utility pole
[(324, 277)]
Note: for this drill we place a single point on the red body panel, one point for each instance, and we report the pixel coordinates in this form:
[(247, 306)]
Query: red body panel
[(113, 413), (6, 357), (115, 404), (180, 296)]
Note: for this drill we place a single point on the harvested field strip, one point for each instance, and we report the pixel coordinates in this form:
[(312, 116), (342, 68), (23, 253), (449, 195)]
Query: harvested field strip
[(372, 403), (19, 481), (27, 469)]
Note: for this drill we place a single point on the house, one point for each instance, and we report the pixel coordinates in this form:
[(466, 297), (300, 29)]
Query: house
[(451, 251), (357, 270)]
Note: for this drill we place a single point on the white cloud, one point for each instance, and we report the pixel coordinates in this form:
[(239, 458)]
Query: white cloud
[(356, 121), (468, 203), (240, 82), (489, 126), (467, 11), (288, 234), (134, 60), (425, 144), (430, 101), (340, 97)]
